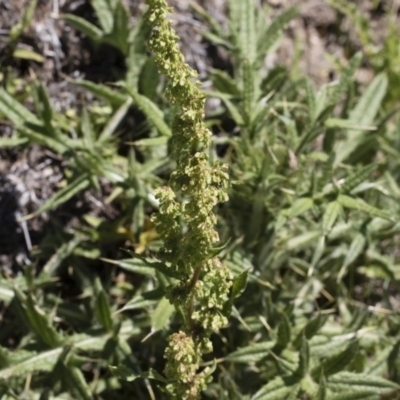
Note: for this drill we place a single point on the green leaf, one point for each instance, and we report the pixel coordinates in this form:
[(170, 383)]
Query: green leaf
[(346, 79), (304, 359), (115, 98), (157, 265), (269, 36), (90, 30), (347, 124), (331, 214), (294, 393), (87, 129), (17, 30), (311, 101), (252, 353), (361, 382), (284, 332), (318, 253), (394, 362), (303, 240), (357, 178), (231, 107), (356, 395), (153, 113), (247, 41), (79, 184), (64, 251), (44, 108), (363, 114), (12, 142), (217, 40), (133, 265), (15, 111), (150, 142), (360, 204), (102, 307), (115, 120), (119, 37), (104, 12), (127, 374), (144, 300), (211, 21), (314, 325), (26, 54), (300, 206), (356, 247), (38, 133), (249, 96), (6, 292), (149, 79), (162, 314), (28, 14), (277, 389), (76, 381), (336, 363), (239, 284), (46, 360), (224, 82), (37, 320), (321, 394)]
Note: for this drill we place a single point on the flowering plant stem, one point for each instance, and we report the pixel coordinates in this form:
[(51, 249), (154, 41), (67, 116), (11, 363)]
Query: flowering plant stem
[(186, 221)]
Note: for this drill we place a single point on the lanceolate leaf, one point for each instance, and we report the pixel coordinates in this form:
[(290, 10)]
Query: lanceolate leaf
[(321, 394), (364, 114), (153, 113), (147, 299), (356, 247), (113, 96), (115, 120), (312, 101), (358, 382), (246, 31), (345, 79), (15, 111), (104, 12), (102, 310), (336, 363), (268, 37), (162, 314), (277, 389), (134, 265), (300, 206), (37, 320), (239, 284), (284, 331), (251, 353), (360, 204), (332, 212), (128, 375), (84, 26), (45, 361), (314, 325), (76, 381), (60, 197), (304, 359), (356, 178), (356, 395), (248, 90)]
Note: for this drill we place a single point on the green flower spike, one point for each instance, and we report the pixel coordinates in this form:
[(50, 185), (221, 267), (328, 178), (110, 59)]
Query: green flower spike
[(186, 220)]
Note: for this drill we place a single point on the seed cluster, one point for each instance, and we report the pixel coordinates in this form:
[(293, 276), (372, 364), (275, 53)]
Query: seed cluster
[(186, 221)]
